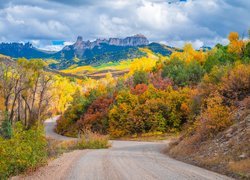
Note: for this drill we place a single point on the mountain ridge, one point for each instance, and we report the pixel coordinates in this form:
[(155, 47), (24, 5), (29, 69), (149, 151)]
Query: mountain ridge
[(88, 52)]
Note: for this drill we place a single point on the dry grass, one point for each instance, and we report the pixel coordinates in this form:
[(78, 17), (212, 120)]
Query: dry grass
[(93, 141), (152, 136), (56, 148), (88, 141), (241, 168)]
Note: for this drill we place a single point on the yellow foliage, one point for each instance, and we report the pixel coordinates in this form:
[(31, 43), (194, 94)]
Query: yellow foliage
[(143, 63), (215, 118), (233, 36), (149, 53), (1, 103), (62, 92), (79, 70), (189, 54), (235, 46)]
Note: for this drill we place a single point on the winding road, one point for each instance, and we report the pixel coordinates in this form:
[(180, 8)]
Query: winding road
[(125, 160)]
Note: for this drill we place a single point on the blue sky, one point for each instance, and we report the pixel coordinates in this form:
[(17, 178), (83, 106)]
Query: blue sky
[(51, 24)]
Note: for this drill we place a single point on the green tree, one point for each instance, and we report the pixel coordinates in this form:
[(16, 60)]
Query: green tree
[(140, 77), (6, 128)]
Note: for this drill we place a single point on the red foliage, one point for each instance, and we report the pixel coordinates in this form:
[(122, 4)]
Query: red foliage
[(159, 82), (96, 116), (139, 89)]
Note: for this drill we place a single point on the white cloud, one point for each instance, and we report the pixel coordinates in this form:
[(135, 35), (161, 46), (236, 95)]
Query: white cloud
[(52, 47), (199, 22)]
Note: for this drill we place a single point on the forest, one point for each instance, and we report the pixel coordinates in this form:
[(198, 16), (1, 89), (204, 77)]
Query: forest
[(190, 92)]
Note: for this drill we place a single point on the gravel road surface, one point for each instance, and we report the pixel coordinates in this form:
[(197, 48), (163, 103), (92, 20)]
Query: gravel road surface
[(125, 160)]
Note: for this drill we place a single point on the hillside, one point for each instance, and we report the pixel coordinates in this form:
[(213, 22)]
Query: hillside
[(226, 153)]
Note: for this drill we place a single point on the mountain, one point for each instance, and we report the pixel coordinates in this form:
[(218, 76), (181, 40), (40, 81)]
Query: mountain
[(26, 50), (87, 52), (79, 48)]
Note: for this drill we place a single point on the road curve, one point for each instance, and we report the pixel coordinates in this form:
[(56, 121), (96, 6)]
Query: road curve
[(131, 160), (49, 127), (125, 160)]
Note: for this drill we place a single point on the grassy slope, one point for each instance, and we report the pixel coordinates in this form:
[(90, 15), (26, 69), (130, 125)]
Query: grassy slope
[(115, 68)]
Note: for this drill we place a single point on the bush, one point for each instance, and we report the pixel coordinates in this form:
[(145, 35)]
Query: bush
[(218, 57), (119, 125), (95, 119), (183, 73), (26, 149), (66, 125), (149, 117), (214, 119), (236, 83), (140, 77), (149, 111)]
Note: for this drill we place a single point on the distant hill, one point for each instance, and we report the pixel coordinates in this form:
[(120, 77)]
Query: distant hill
[(27, 50), (87, 52)]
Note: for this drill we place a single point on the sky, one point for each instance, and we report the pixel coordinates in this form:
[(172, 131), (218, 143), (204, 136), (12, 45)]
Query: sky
[(51, 24)]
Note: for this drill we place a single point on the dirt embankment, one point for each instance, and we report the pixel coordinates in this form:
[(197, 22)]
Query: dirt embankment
[(227, 153)]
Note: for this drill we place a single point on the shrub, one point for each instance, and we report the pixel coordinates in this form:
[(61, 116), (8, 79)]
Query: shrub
[(26, 149), (183, 73), (66, 125), (215, 118), (159, 82), (119, 125), (139, 89), (149, 117), (95, 119), (140, 77), (236, 83)]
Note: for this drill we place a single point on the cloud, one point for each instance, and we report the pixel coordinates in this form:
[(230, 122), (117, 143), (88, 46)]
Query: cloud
[(196, 21)]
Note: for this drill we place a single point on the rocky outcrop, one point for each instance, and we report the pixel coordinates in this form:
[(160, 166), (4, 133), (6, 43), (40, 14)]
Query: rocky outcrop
[(136, 40), (80, 46)]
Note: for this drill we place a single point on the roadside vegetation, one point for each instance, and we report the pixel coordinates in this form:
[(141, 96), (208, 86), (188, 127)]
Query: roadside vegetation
[(28, 95)]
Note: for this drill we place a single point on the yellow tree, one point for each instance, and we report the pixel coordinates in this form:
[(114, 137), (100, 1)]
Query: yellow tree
[(62, 92), (189, 54), (236, 46)]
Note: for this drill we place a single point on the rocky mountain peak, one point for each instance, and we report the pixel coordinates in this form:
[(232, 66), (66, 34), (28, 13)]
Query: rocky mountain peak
[(79, 39), (139, 36)]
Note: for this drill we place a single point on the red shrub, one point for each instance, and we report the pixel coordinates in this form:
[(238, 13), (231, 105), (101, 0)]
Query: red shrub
[(95, 119), (159, 82), (139, 89)]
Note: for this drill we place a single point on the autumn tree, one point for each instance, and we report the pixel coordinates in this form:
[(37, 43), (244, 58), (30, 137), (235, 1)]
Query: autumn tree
[(119, 125), (24, 88), (236, 46), (96, 116), (66, 125)]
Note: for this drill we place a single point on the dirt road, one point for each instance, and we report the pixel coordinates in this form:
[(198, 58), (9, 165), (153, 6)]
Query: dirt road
[(49, 126), (135, 161), (125, 160)]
